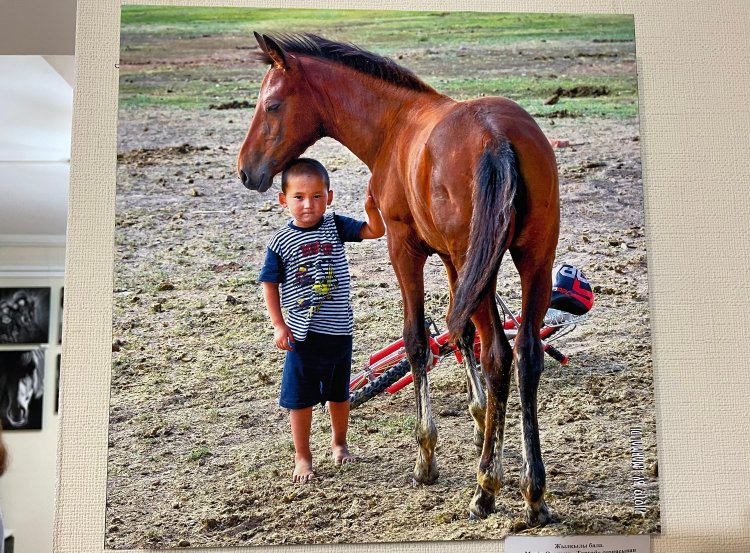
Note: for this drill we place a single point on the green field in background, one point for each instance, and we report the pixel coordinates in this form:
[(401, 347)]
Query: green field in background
[(156, 41)]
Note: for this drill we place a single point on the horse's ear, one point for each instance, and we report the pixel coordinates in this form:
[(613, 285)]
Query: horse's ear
[(261, 42), (275, 52)]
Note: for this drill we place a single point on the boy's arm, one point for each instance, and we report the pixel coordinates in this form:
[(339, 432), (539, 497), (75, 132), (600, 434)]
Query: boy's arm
[(374, 227), (282, 335)]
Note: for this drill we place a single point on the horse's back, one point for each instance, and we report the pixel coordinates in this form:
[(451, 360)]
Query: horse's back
[(474, 125), (459, 140), (447, 166)]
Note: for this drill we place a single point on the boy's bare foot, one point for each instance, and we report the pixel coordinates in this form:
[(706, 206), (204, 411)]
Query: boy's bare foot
[(303, 471), (341, 455)]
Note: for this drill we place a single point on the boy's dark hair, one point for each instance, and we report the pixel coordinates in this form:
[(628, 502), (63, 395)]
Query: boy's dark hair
[(304, 166)]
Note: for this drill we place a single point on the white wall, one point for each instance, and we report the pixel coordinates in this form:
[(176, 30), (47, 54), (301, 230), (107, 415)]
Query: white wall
[(27, 489)]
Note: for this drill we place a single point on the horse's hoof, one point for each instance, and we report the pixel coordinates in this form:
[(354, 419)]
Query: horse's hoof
[(426, 474), (538, 518), (473, 517), (482, 504)]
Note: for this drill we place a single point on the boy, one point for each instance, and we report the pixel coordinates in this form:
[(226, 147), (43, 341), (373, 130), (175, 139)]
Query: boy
[(306, 260)]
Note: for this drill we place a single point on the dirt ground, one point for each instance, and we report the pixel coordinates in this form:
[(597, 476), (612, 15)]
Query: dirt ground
[(199, 451)]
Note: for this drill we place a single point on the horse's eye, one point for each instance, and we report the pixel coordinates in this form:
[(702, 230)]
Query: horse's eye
[(273, 107)]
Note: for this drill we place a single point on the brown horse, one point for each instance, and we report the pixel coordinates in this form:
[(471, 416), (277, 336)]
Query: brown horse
[(463, 180)]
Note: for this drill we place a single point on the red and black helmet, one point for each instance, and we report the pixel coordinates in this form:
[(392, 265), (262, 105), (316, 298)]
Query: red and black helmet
[(571, 290)]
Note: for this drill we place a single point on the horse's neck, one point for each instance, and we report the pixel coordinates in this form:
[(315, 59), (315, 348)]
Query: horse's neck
[(366, 114)]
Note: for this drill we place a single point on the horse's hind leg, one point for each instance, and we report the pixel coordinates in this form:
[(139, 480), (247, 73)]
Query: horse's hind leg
[(408, 261), (496, 360), (536, 287), (476, 397)]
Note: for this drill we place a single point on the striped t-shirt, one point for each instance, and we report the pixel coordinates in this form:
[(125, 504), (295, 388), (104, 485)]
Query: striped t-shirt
[(310, 265)]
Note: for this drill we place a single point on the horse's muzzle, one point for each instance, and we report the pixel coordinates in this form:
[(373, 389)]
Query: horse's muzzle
[(246, 182), (261, 184)]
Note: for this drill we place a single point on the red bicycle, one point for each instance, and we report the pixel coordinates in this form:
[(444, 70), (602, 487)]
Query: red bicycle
[(388, 370)]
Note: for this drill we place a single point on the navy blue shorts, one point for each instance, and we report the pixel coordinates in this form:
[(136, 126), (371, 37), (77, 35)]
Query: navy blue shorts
[(316, 370)]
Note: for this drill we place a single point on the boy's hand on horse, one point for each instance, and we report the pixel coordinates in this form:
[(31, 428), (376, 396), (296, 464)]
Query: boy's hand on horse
[(369, 198), (375, 227)]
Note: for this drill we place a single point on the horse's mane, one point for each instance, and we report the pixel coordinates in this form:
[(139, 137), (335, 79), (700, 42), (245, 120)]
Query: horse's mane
[(349, 55)]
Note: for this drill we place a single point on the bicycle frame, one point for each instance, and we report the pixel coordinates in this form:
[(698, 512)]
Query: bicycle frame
[(556, 323)]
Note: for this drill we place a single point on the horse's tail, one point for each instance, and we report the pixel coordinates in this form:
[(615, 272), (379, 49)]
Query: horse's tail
[(496, 183)]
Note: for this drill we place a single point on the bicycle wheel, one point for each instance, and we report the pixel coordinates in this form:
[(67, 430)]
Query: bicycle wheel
[(375, 369), (379, 384)]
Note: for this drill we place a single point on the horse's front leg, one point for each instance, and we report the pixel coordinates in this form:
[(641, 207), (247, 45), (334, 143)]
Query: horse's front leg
[(408, 259), (476, 397)]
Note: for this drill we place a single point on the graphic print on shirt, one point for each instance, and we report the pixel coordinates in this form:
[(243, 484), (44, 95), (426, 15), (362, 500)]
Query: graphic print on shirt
[(318, 275), (304, 275)]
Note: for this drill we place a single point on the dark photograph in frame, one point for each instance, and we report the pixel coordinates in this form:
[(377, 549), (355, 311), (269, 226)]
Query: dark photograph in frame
[(21, 389), (24, 315)]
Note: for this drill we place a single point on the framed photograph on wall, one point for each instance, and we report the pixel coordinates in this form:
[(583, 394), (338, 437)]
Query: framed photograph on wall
[(195, 374), (24, 315), (21, 389)]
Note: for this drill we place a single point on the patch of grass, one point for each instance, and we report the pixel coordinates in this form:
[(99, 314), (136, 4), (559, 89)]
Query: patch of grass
[(236, 282), (186, 88), (284, 445), (613, 108), (225, 387), (363, 283), (391, 427), (200, 280), (531, 93), (622, 92), (535, 87), (199, 453), (201, 22), (146, 418), (114, 470), (184, 426)]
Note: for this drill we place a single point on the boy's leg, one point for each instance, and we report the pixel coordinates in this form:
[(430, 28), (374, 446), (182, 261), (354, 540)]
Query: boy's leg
[(336, 393), (301, 422), (339, 411)]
